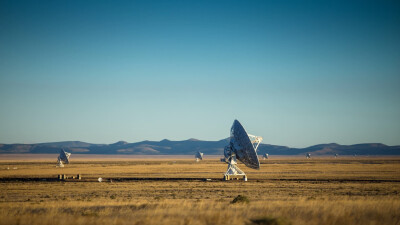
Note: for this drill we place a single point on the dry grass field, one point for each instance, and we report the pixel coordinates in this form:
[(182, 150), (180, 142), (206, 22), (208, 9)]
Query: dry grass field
[(362, 190)]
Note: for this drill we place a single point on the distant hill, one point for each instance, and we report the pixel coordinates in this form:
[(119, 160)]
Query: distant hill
[(191, 146)]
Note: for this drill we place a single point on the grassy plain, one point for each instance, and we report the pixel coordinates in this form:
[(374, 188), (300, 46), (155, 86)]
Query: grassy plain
[(284, 191)]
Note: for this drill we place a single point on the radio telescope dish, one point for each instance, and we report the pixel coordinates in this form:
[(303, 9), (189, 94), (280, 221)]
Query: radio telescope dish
[(308, 156), (63, 158), (199, 156), (265, 156), (242, 146)]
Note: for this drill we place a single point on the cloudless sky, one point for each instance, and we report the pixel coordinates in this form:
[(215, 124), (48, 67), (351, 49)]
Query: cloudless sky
[(297, 73)]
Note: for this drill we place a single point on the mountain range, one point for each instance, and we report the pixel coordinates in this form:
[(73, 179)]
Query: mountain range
[(191, 146)]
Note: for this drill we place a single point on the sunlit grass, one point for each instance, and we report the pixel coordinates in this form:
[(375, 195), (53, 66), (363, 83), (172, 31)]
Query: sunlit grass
[(321, 191)]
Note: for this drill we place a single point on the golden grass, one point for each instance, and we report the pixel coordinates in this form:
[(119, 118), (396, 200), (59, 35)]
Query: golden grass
[(318, 191)]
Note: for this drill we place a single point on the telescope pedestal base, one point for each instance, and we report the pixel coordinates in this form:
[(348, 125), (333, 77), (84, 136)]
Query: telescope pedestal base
[(234, 173), (59, 163)]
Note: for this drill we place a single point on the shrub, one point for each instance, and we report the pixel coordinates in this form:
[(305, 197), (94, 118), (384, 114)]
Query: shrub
[(240, 199), (270, 221)]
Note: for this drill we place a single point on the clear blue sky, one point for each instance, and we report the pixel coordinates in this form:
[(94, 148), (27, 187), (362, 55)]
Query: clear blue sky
[(297, 73)]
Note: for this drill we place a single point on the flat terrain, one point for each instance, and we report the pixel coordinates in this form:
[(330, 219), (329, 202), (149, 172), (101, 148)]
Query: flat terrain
[(286, 190)]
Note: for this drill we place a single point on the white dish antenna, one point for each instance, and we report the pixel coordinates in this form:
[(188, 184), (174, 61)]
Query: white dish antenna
[(100, 179), (308, 156), (265, 156), (63, 158), (199, 156), (243, 147)]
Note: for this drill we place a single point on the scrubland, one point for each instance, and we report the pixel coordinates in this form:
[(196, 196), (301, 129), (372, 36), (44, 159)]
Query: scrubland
[(283, 191)]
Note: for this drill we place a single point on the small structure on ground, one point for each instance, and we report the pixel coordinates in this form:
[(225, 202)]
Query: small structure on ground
[(65, 177)]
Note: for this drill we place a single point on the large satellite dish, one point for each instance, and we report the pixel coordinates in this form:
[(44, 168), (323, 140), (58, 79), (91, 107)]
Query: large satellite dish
[(63, 158), (199, 156), (243, 147)]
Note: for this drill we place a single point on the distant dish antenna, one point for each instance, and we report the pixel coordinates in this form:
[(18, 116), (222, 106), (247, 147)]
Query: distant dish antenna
[(243, 147), (100, 179), (265, 156), (308, 156), (336, 155), (199, 156), (63, 158)]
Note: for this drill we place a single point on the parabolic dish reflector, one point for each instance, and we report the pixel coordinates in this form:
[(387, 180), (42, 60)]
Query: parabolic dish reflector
[(64, 156), (199, 155), (243, 147)]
